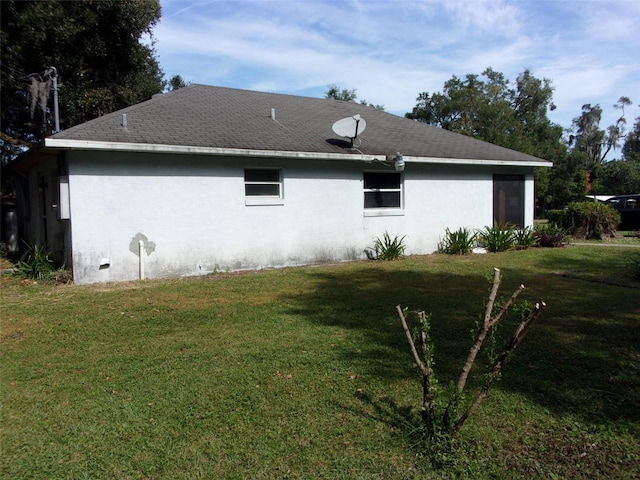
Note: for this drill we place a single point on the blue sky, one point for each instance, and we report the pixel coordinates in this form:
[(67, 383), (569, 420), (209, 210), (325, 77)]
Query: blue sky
[(390, 51)]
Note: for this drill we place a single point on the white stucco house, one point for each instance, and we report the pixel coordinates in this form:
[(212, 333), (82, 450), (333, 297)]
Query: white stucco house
[(208, 178)]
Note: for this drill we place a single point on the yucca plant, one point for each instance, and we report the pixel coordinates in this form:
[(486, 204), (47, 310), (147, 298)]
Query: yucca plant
[(524, 238), (458, 242), (497, 238), (35, 263), (389, 248)]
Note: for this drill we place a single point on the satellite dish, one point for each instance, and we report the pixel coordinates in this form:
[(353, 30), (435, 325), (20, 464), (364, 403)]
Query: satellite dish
[(349, 127)]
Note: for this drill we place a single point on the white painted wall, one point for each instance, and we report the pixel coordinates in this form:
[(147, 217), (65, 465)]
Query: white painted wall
[(193, 209)]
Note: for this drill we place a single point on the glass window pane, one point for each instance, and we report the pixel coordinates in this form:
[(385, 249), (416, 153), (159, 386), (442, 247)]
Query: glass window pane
[(260, 175), (381, 180), (262, 190), (381, 199)]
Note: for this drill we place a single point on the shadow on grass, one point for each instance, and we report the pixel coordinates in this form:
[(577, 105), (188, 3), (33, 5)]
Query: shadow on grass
[(364, 302), (586, 352), (580, 358)]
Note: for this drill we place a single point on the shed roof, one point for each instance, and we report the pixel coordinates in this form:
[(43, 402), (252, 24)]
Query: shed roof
[(207, 119)]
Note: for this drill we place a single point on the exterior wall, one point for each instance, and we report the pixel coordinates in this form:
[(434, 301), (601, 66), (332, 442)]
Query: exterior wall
[(191, 214)]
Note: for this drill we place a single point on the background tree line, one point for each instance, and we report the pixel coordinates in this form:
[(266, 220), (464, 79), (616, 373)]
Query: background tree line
[(102, 66), (101, 62), (515, 115)]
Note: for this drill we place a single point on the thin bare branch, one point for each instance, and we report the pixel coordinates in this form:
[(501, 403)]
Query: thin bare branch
[(492, 296), (482, 333), (517, 338), (423, 336), (507, 305), (414, 351)]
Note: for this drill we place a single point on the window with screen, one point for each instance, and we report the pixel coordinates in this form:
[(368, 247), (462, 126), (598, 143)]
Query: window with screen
[(508, 200), (382, 190), (261, 182)]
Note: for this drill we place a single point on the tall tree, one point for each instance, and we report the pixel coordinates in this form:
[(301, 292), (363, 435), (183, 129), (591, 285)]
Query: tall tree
[(631, 147), (588, 138), (592, 141), (96, 48), (622, 176), (592, 144), (490, 108)]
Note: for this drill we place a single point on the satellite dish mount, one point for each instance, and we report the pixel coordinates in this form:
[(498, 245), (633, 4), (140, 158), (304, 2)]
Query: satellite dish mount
[(349, 127)]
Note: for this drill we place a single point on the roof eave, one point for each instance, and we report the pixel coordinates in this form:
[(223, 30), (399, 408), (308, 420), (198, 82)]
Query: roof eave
[(68, 144)]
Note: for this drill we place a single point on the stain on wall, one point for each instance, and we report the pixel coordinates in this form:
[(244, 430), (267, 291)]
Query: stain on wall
[(134, 246)]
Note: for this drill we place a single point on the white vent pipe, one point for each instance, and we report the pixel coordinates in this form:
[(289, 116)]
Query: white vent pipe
[(141, 257)]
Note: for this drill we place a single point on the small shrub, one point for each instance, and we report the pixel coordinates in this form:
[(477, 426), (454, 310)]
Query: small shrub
[(497, 238), (550, 235), (559, 217), (524, 238), (444, 411), (35, 263), (458, 242), (389, 248), (592, 220)]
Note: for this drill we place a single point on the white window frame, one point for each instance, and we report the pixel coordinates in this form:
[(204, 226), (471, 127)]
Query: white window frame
[(383, 211), (264, 199)]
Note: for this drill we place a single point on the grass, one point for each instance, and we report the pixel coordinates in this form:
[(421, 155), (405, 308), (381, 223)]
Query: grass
[(626, 238), (305, 373)]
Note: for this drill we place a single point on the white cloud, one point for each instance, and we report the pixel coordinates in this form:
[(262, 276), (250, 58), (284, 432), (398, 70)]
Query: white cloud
[(390, 51), (493, 16)]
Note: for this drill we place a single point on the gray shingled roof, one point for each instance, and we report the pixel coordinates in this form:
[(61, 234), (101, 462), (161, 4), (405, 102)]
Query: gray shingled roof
[(218, 117)]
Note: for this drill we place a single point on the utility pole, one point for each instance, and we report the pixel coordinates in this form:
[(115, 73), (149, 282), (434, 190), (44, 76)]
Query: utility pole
[(53, 74), (39, 88)]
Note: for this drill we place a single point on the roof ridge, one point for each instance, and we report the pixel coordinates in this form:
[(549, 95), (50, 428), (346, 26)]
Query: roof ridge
[(212, 117)]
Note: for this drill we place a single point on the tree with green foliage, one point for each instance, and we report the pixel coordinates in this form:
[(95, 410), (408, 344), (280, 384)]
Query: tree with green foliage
[(176, 82), (591, 145), (618, 177), (593, 142), (345, 95), (97, 50), (631, 147), (491, 108), (342, 94), (622, 176)]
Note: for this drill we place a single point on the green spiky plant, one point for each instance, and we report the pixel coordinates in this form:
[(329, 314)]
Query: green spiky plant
[(458, 242), (35, 263), (498, 238), (387, 248), (524, 238)]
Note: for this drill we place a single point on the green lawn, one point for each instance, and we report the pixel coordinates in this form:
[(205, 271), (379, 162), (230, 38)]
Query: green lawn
[(304, 373)]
